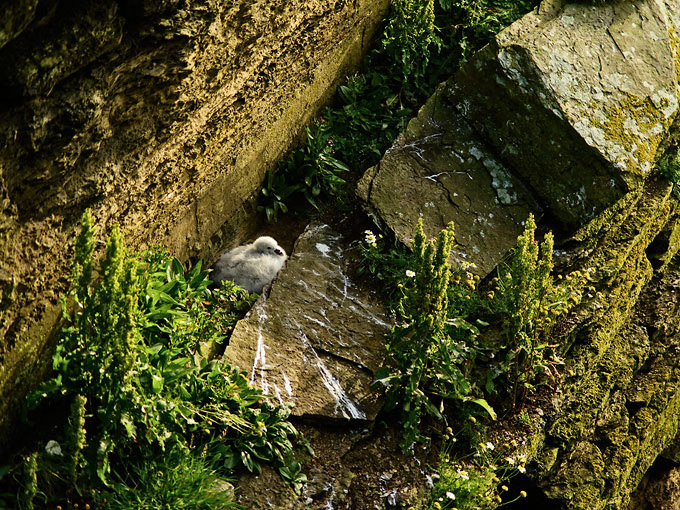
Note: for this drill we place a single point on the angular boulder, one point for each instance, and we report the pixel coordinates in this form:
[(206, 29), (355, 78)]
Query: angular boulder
[(317, 338), (439, 170), (578, 100)]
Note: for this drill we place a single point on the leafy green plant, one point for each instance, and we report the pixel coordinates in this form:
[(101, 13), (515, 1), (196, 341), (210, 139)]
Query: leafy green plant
[(477, 480), (480, 20), (530, 301), (130, 365), (428, 351), (409, 34), (312, 169), (669, 166), (524, 418), (275, 194), (386, 263), (369, 114)]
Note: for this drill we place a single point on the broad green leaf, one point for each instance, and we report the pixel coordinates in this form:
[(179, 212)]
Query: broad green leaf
[(483, 403)]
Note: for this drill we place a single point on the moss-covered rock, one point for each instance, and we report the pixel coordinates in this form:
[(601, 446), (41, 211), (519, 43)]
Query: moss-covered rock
[(619, 410), (593, 92)]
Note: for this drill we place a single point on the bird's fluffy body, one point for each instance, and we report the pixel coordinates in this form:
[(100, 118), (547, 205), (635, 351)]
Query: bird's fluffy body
[(251, 266)]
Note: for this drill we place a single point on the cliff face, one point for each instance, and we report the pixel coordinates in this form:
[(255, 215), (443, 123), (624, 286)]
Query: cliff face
[(161, 115)]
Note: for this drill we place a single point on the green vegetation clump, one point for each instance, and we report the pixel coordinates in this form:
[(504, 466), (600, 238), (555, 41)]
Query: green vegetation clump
[(530, 302), (409, 34), (455, 349), (669, 166), (476, 481), (179, 481), (142, 396), (429, 354)]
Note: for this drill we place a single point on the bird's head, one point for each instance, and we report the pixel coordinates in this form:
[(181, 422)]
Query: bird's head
[(268, 245)]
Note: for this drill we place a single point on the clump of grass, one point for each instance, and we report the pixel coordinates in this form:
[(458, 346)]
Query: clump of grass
[(180, 480)]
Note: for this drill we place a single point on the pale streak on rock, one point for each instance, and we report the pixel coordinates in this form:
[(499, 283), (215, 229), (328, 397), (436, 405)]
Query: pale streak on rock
[(318, 334)]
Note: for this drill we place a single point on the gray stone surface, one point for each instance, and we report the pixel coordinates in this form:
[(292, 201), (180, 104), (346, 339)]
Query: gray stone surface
[(577, 99), (317, 338), (439, 170)]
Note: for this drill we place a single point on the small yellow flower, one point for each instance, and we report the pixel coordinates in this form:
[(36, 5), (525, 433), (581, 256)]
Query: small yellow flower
[(473, 419), (437, 505), (523, 494), (504, 488)]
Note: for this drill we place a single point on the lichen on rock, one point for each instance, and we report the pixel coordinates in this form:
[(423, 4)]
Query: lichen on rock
[(440, 171), (592, 90)]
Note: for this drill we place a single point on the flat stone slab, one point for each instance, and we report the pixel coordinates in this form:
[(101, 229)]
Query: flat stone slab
[(439, 170), (317, 338)]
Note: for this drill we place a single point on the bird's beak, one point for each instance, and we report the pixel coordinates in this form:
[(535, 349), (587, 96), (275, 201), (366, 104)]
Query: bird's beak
[(278, 251)]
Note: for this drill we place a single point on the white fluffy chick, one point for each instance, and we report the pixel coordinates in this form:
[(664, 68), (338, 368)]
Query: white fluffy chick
[(251, 266)]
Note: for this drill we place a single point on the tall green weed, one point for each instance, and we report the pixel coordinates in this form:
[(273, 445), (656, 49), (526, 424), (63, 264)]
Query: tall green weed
[(130, 368), (530, 300), (431, 349)]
